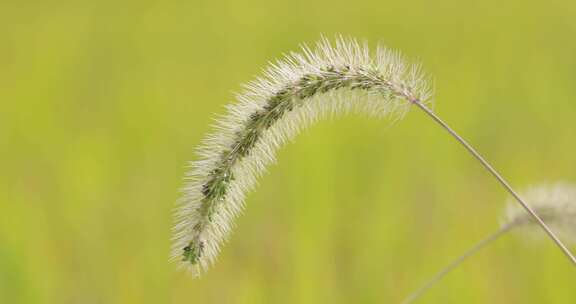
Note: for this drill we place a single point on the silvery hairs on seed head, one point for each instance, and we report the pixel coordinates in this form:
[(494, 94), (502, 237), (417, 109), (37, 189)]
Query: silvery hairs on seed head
[(328, 80)]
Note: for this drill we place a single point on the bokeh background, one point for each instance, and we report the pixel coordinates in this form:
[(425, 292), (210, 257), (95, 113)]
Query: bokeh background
[(103, 102)]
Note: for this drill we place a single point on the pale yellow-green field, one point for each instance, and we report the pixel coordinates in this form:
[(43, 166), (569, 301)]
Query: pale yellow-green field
[(103, 102)]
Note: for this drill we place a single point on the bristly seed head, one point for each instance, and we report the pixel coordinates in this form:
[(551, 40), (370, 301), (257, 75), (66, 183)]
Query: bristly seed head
[(332, 79), (555, 204)]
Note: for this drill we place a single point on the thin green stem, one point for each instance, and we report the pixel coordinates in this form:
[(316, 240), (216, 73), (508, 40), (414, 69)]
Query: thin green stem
[(454, 264), (500, 179)]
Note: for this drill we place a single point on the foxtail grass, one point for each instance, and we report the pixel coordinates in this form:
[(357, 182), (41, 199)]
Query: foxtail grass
[(331, 79)]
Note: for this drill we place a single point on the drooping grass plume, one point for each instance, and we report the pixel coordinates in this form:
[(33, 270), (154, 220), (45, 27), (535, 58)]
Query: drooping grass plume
[(294, 92), (333, 78), (555, 204)]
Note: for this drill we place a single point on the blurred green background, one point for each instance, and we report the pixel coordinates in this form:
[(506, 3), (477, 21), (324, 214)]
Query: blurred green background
[(103, 103)]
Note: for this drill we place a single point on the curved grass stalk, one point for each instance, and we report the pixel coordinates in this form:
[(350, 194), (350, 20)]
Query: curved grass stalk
[(557, 205), (502, 181), (295, 92)]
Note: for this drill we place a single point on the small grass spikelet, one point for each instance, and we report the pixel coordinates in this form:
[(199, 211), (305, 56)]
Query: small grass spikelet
[(330, 79), (556, 205)]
